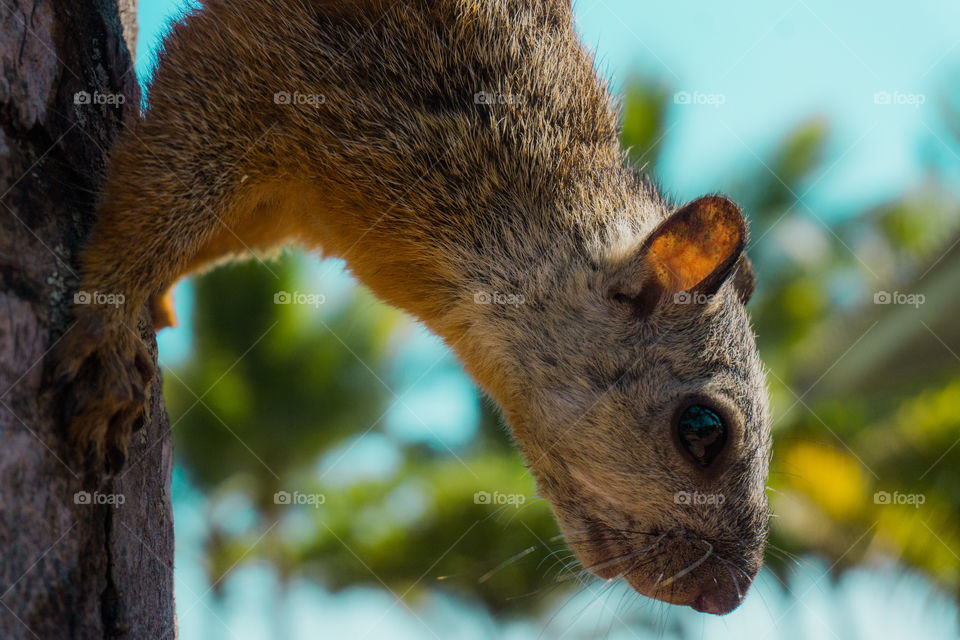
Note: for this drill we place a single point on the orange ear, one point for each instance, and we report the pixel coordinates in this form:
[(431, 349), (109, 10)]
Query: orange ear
[(697, 246)]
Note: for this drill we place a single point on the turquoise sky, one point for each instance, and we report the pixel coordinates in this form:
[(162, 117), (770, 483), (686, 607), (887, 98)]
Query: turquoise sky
[(771, 65), (779, 63)]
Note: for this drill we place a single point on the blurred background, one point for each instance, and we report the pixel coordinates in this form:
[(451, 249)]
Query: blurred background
[(329, 452)]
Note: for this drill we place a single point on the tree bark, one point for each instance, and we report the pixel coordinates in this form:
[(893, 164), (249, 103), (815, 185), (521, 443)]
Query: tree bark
[(85, 552)]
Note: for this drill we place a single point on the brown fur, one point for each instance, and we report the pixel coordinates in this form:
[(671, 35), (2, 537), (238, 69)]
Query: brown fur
[(431, 198)]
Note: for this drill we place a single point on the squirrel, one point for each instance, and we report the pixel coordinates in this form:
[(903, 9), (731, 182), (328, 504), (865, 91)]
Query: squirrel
[(457, 154)]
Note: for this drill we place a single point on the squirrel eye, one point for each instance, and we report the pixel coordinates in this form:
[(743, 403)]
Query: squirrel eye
[(702, 434)]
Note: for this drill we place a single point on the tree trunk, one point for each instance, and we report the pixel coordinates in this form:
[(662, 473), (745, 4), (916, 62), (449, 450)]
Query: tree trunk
[(86, 552)]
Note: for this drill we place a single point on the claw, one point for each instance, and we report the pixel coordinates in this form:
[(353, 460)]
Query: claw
[(102, 371)]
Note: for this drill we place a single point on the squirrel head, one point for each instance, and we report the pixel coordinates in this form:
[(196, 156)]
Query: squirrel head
[(636, 393)]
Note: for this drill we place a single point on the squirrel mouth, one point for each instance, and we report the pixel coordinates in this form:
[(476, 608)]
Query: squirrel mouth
[(677, 570), (708, 584)]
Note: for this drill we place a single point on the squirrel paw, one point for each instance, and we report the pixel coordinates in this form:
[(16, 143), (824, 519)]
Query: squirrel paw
[(102, 370)]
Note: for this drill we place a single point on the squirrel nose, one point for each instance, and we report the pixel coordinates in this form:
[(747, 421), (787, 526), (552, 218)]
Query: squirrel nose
[(716, 599)]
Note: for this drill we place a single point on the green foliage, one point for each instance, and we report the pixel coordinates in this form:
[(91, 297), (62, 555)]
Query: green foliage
[(269, 386), (642, 121)]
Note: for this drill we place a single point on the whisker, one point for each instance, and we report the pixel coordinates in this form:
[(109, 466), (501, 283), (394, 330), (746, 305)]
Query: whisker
[(555, 552), (690, 568), (560, 577), (506, 562), (627, 556), (736, 583)]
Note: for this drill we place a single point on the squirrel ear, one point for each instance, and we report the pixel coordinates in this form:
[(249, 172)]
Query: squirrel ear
[(696, 248)]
